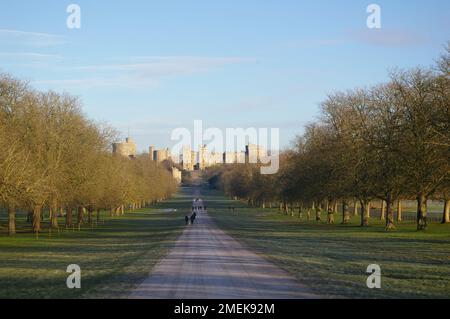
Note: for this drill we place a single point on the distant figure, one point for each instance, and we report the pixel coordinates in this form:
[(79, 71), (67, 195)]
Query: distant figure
[(186, 219), (233, 210), (192, 219)]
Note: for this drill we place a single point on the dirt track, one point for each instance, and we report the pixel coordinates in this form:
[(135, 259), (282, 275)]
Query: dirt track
[(206, 263)]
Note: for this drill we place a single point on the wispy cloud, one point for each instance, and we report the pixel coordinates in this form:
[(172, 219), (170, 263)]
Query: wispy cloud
[(29, 56), (30, 38), (90, 82), (166, 66), (143, 71)]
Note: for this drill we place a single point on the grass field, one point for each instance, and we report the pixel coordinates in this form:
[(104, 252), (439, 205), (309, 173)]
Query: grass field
[(114, 257), (332, 259)]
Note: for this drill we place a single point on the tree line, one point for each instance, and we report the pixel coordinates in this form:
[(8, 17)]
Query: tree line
[(389, 142), (54, 160)]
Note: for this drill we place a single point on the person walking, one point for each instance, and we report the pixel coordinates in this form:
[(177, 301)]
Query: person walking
[(192, 219), (186, 219)]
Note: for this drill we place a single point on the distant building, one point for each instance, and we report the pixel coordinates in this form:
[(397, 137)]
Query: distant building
[(191, 160), (162, 155), (233, 157), (187, 158), (254, 153), (159, 155), (127, 148), (203, 157), (216, 158), (176, 173), (229, 157), (240, 157), (151, 152)]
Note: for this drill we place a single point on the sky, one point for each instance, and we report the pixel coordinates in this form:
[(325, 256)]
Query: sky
[(147, 67)]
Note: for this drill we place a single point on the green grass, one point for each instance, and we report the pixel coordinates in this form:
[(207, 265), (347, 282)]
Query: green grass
[(332, 259), (114, 257)]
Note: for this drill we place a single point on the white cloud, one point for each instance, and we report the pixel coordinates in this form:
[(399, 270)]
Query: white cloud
[(30, 38), (89, 82), (143, 71), (29, 60), (166, 66)]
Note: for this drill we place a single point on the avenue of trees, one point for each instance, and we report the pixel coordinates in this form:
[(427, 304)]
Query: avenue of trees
[(388, 143), (55, 161)]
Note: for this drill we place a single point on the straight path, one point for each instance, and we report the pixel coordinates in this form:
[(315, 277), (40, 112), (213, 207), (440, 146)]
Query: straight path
[(206, 263)]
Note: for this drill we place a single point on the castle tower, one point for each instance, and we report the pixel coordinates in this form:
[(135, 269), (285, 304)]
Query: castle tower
[(151, 152), (127, 148)]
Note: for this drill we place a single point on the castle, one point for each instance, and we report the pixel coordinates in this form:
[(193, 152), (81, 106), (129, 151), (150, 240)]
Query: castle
[(127, 148), (191, 160)]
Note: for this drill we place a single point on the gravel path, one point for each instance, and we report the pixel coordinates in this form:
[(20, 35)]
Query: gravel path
[(206, 263)]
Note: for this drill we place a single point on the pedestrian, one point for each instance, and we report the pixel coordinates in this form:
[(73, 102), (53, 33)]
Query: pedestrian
[(186, 219), (192, 219)]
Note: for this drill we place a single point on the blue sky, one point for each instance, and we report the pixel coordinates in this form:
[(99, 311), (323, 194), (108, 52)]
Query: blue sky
[(152, 66)]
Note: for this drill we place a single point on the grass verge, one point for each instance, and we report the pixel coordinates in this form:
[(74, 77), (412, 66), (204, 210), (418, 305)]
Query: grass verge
[(332, 259), (114, 257)]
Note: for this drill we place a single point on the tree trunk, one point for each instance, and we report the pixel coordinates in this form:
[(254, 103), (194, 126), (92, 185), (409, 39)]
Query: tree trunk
[(80, 219), (90, 220), (319, 212), (399, 211), (98, 215), (383, 210), (300, 208), (330, 217), (422, 223), (446, 214), (69, 217), (365, 213), (37, 218), (355, 208), (345, 214), (390, 214), (53, 216), (11, 220)]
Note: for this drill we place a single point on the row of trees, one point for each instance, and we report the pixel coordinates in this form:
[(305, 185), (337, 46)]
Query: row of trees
[(53, 158), (389, 142)]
